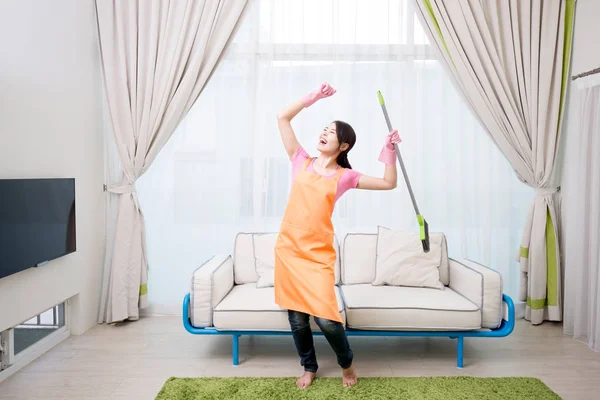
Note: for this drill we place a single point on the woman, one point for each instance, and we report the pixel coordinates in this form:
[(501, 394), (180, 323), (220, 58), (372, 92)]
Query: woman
[(304, 253)]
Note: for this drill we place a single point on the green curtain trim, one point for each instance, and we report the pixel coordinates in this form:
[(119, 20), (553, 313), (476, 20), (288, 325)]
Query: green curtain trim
[(437, 25), (551, 241), (551, 261), (569, 20), (143, 289), (551, 298), (524, 252), (536, 304)]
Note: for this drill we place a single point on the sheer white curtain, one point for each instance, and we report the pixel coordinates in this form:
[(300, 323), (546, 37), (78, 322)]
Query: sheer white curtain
[(225, 170), (581, 211)]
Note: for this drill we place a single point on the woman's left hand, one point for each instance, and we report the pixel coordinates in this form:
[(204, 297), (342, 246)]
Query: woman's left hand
[(392, 139), (388, 157), (388, 153)]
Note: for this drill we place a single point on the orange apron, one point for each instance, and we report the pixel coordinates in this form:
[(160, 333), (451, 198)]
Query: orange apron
[(304, 253)]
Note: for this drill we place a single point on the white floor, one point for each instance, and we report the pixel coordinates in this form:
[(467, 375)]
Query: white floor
[(133, 361)]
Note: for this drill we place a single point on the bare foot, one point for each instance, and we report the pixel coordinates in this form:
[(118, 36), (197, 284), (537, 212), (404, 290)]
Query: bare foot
[(305, 380), (349, 377)]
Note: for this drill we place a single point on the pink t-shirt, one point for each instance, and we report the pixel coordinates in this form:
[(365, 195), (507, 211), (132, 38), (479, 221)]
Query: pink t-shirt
[(348, 180)]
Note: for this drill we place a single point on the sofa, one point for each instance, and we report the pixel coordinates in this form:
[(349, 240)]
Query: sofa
[(225, 299)]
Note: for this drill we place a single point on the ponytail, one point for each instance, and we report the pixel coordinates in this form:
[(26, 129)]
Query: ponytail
[(342, 160), (345, 134)]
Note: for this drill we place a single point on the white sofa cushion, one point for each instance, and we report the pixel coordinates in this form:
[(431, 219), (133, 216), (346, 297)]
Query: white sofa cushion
[(360, 255), (401, 260), (264, 259), (247, 307), (210, 284), (244, 270), (371, 307), (481, 285), (244, 256), (358, 259)]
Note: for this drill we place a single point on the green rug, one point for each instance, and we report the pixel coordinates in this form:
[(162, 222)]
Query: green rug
[(367, 388)]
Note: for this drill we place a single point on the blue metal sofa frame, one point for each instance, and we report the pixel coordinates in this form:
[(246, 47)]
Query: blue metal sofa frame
[(505, 329)]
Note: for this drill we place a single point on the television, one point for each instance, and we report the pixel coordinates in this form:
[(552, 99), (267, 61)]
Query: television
[(37, 222)]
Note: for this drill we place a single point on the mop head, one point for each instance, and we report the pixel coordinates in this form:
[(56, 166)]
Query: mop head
[(424, 233)]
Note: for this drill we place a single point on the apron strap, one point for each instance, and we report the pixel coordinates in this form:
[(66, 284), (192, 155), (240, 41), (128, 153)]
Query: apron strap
[(339, 173), (337, 176), (306, 162)]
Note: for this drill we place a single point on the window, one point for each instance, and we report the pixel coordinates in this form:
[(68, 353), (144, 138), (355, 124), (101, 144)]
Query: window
[(37, 328), (26, 341), (225, 169)]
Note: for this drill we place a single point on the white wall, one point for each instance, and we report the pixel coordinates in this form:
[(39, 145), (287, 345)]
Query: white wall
[(51, 126), (586, 53)]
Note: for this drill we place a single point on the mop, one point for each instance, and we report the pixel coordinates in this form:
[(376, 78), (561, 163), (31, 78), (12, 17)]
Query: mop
[(423, 226)]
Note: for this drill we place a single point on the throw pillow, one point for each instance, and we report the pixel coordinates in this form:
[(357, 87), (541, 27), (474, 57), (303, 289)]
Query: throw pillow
[(401, 260)]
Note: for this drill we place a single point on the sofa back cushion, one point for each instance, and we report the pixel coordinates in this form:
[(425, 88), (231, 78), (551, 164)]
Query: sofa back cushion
[(245, 255), (244, 270), (359, 257), (359, 254)]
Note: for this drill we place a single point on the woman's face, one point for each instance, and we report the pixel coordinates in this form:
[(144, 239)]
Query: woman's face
[(328, 140)]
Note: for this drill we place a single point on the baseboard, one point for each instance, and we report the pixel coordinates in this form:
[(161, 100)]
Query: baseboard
[(153, 310), (520, 310), (35, 351)]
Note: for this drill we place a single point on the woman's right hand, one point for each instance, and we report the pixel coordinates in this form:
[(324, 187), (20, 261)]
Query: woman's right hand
[(325, 90), (285, 116)]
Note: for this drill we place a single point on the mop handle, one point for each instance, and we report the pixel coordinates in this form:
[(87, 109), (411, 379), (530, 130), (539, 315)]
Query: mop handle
[(389, 125)]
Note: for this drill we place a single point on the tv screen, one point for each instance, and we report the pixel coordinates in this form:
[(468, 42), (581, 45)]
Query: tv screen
[(37, 222)]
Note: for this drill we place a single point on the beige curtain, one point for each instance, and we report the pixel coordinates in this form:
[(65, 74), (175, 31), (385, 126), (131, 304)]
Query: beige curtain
[(510, 61), (157, 56)]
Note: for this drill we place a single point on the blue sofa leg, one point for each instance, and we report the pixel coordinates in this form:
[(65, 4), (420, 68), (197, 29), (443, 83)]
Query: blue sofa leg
[(236, 349), (459, 351)]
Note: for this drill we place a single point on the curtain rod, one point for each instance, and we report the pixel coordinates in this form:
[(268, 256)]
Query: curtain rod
[(592, 72)]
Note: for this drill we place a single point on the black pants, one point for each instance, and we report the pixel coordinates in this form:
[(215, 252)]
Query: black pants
[(332, 330)]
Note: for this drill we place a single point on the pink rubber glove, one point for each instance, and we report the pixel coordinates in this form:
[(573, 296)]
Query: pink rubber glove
[(388, 153), (325, 90)]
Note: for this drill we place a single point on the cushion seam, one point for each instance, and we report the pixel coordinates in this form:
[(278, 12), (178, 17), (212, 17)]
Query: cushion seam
[(212, 288), (258, 311), (377, 250), (417, 328), (445, 242), (341, 308), (342, 261), (413, 308)]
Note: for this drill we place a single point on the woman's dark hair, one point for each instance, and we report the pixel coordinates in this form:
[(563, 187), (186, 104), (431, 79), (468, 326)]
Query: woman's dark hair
[(345, 134)]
